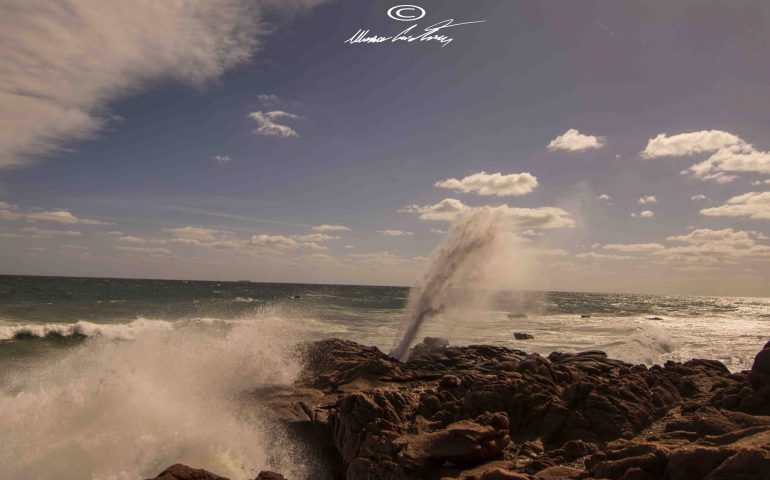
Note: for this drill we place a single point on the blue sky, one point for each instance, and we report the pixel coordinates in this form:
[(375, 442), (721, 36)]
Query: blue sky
[(132, 142)]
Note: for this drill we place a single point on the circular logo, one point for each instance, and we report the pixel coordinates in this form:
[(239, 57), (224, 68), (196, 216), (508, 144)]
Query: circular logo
[(406, 13)]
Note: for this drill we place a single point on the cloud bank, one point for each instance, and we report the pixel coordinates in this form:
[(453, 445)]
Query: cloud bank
[(492, 184), (64, 62)]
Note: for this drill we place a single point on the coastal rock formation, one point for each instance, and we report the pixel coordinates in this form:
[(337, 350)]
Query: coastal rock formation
[(493, 413)]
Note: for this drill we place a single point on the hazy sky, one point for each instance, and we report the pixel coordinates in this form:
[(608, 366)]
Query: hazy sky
[(242, 139)]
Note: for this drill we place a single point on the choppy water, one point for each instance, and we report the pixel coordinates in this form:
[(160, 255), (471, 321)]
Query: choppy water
[(109, 378)]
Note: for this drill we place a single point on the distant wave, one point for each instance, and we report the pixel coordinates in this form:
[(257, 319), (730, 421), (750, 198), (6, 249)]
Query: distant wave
[(83, 329)]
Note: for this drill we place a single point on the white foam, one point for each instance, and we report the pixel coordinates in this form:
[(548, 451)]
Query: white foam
[(126, 410), (123, 331)]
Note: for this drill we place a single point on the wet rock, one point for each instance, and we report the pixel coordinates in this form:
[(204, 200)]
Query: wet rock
[(486, 412), (522, 336), (267, 475)]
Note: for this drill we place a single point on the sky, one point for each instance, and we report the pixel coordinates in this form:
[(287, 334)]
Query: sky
[(259, 140)]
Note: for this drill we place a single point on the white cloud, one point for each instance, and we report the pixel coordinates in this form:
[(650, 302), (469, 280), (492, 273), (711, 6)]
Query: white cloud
[(350, 246), (648, 199), (730, 154), (646, 214), (64, 62), (34, 232), (280, 242), (438, 231), (492, 184), (204, 237), (267, 123), (761, 182), (574, 141), (688, 143), (284, 243), (448, 210), (604, 196), (268, 99), (331, 228), (151, 251), (697, 198), (61, 216), (221, 158), (634, 247), (726, 236), (9, 212), (395, 233), (755, 205), (131, 239), (593, 256), (315, 237)]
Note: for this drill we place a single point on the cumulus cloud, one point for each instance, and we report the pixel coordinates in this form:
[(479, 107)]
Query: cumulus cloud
[(648, 199), (204, 237), (150, 251), (34, 232), (61, 216), (761, 182), (221, 158), (315, 237), (280, 242), (707, 247), (726, 236), (267, 123), (688, 143), (450, 209), (697, 198), (446, 210), (604, 196), (593, 256), (268, 99), (574, 141), (730, 154), (754, 205), (492, 184), (634, 247), (331, 228), (643, 214), (395, 233), (284, 243), (65, 62)]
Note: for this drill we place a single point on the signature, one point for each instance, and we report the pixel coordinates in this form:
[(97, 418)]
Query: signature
[(411, 34)]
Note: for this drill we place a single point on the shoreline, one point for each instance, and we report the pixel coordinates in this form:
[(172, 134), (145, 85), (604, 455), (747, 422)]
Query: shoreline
[(494, 413)]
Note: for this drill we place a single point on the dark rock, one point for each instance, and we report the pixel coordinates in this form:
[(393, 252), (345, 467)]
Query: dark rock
[(267, 475), (183, 472), (485, 412), (522, 336)]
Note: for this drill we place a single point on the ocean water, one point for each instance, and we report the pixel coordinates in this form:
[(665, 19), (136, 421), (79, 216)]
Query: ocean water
[(117, 379)]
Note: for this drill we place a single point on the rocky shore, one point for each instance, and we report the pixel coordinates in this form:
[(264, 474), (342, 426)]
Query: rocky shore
[(493, 413)]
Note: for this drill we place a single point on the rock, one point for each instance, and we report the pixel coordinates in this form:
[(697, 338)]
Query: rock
[(487, 412), (267, 475), (183, 472), (464, 442), (522, 336)]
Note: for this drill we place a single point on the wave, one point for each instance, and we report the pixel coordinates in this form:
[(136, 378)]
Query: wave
[(82, 329), (128, 409)]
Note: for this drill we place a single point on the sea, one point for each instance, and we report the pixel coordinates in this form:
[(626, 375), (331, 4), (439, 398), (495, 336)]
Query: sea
[(109, 378)]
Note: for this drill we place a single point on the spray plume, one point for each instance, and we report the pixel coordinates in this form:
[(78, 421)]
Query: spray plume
[(476, 254)]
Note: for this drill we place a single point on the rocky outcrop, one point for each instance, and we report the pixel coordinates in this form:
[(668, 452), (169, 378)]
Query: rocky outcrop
[(183, 472), (493, 413)]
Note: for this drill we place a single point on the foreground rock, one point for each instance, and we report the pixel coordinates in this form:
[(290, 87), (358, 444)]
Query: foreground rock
[(493, 413)]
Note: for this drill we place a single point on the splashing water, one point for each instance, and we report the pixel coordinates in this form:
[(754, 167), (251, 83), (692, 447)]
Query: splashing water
[(469, 260), (126, 409)]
